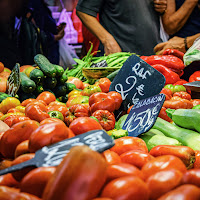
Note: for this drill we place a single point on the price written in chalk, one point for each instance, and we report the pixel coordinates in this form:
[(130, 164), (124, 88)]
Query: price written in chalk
[(143, 115), (136, 81)]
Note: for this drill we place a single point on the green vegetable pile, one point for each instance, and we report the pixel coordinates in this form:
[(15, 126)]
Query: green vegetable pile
[(85, 72)]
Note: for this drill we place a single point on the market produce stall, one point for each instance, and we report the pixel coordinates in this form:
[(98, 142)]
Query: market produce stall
[(113, 127)]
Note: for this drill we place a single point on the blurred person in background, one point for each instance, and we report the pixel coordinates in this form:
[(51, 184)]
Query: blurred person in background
[(124, 25), (180, 20), (44, 20), (10, 12)]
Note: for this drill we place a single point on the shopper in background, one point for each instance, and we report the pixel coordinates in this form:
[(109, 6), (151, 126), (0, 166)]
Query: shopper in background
[(181, 19), (125, 25), (44, 20), (9, 11), (178, 43)]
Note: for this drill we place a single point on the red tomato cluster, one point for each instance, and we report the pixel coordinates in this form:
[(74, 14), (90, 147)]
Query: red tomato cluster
[(132, 173)]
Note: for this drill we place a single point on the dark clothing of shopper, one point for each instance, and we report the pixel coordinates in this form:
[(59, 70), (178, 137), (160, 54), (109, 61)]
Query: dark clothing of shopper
[(133, 24), (44, 20)]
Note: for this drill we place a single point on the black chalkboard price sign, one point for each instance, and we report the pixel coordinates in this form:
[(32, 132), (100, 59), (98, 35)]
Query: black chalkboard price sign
[(52, 155), (13, 82), (137, 80), (143, 115)]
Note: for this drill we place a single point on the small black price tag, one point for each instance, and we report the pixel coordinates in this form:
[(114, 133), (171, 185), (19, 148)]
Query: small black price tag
[(137, 80), (13, 82), (143, 115), (103, 63)]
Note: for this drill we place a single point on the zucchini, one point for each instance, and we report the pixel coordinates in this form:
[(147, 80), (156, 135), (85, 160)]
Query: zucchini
[(97, 73), (50, 82), (27, 85), (155, 137), (36, 75), (44, 64), (186, 118), (59, 70), (112, 75), (185, 136)]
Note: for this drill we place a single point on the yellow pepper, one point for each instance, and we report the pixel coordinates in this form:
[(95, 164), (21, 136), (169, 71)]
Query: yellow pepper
[(8, 103)]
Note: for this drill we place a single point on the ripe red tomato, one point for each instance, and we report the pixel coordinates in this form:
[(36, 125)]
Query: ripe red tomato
[(22, 148), (74, 112), (61, 108), (47, 97), (117, 98), (162, 182), (126, 188), (5, 164), (8, 180), (77, 82), (104, 84), (18, 175), (136, 157), (128, 143), (48, 134), (35, 181), (161, 163), (184, 192), (197, 159), (84, 124), (37, 111), (15, 135), (111, 157), (123, 169), (50, 120), (192, 176), (101, 101), (105, 118)]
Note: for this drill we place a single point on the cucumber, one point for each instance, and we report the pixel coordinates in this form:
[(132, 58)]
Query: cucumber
[(185, 136), (59, 70), (36, 75), (70, 87), (50, 82), (185, 118), (155, 137), (44, 64), (23, 96), (39, 89), (64, 76), (112, 75), (60, 90), (27, 85)]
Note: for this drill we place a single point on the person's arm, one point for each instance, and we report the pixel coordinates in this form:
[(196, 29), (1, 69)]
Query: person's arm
[(175, 43), (174, 20), (110, 44), (160, 6)]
